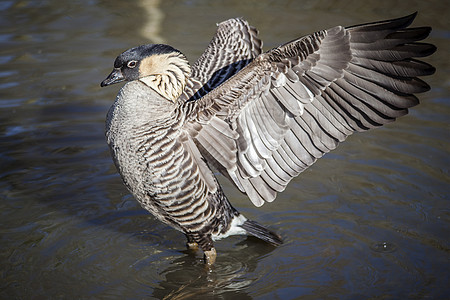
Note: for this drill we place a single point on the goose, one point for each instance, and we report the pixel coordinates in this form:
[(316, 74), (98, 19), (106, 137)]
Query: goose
[(259, 118)]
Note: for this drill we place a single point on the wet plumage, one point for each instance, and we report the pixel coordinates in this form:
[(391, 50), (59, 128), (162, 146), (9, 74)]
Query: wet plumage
[(258, 118)]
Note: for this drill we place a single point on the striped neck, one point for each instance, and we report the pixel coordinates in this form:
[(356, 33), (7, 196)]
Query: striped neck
[(169, 74)]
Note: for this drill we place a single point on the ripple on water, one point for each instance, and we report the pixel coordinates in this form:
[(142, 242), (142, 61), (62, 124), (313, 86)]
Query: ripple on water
[(383, 247), (183, 274)]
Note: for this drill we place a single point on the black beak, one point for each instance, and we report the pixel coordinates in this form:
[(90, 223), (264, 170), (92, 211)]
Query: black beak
[(116, 76)]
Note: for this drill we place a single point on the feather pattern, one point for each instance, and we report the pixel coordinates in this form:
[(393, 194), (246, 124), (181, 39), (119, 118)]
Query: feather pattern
[(291, 105), (234, 45)]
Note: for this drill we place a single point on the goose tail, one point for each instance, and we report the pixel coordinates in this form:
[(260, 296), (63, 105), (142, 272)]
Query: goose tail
[(257, 230)]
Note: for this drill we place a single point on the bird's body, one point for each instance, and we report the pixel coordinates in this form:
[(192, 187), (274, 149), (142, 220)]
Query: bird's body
[(258, 118), (159, 164)]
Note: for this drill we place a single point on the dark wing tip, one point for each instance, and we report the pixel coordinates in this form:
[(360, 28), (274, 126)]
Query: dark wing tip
[(401, 22)]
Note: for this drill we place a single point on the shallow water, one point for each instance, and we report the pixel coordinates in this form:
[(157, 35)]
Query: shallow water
[(369, 220)]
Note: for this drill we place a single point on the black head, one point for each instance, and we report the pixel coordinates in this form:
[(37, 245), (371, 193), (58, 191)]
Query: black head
[(127, 65)]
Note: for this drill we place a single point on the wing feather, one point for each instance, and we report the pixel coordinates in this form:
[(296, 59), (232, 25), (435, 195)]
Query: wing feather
[(289, 106), (233, 46)]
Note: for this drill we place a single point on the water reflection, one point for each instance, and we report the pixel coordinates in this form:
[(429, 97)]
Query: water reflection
[(188, 278), (151, 29), (69, 229)]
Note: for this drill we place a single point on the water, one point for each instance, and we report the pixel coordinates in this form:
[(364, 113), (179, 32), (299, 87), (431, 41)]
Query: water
[(369, 220)]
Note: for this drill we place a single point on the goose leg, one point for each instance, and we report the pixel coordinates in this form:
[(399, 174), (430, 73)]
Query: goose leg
[(204, 242), (191, 243), (210, 256)]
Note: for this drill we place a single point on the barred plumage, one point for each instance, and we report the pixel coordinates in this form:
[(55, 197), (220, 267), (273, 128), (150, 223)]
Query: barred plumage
[(258, 118)]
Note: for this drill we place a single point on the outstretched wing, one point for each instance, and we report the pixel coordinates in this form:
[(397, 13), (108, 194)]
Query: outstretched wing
[(291, 105), (233, 46)]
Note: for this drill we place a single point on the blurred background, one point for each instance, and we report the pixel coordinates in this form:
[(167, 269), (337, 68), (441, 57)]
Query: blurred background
[(369, 220)]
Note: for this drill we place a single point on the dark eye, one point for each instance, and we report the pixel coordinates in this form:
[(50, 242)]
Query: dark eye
[(131, 64)]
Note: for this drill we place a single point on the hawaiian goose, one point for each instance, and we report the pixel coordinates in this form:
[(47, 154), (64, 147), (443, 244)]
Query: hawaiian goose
[(258, 118)]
